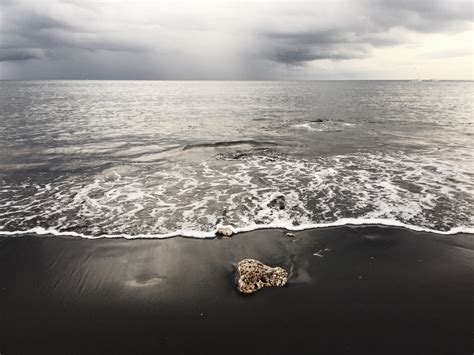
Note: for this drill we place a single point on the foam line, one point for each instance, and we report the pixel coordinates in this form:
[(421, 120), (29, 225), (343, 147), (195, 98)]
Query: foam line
[(252, 189), (253, 227)]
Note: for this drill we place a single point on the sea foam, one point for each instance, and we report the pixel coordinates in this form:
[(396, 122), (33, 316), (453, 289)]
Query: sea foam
[(282, 225), (249, 191)]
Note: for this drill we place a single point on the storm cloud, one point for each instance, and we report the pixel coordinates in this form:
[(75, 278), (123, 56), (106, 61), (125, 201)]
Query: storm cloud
[(13, 54), (220, 40)]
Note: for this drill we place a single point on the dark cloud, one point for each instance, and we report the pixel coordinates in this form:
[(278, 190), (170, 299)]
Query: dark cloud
[(20, 54), (300, 47), (300, 55), (369, 27), (23, 29), (79, 38)]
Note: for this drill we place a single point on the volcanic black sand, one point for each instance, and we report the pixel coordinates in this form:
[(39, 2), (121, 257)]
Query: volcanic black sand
[(376, 290)]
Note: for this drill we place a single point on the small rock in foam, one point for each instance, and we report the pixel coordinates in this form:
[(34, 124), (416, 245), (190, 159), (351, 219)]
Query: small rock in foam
[(225, 231)]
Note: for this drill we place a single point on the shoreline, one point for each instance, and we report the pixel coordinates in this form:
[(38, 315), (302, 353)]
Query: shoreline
[(352, 289), (344, 222)]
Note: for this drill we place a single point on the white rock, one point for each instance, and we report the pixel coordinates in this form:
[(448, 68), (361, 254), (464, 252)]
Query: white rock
[(225, 231)]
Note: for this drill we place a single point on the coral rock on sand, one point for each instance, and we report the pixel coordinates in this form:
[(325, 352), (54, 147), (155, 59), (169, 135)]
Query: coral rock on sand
[(252, 275), (224, 231)]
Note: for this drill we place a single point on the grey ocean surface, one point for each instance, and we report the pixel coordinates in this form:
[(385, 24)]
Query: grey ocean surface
[(160, 158)]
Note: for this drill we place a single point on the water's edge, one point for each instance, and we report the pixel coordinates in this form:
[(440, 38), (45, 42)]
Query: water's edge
[(212, 234)]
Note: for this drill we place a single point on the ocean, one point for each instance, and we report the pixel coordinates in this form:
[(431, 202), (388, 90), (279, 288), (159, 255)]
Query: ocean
[(154, 159)]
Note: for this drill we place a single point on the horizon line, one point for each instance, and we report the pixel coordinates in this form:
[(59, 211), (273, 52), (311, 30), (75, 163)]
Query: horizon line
[(296, 80)]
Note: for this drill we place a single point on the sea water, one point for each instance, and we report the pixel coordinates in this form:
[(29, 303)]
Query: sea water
[(162, 158)]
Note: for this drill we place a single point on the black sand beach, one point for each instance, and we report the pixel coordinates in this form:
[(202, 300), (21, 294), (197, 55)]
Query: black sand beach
[(376, 290)]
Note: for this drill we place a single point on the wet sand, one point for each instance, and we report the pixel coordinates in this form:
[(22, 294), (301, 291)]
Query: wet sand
[(368, 290)]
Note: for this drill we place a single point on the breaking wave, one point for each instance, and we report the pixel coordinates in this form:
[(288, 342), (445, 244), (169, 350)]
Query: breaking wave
[(247, 190)]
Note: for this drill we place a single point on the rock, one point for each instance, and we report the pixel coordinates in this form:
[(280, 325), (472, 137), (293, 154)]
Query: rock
[(290, 235), (318, 120), (252, 275), (224, 231)]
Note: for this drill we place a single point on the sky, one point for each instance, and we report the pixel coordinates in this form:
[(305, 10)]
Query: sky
[(237, 40)]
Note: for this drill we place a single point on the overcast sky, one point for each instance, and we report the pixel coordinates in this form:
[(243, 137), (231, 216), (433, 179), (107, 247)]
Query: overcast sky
[(260, 39)]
